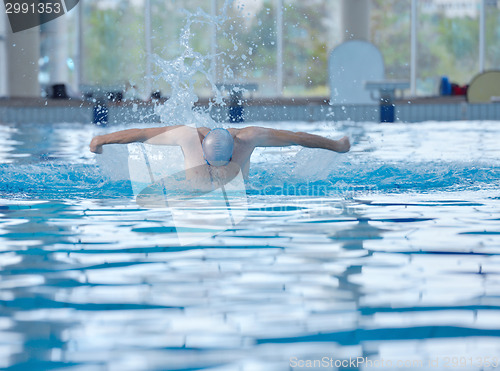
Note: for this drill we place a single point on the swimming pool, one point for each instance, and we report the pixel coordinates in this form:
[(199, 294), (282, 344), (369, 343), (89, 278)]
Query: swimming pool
[(390, 253)]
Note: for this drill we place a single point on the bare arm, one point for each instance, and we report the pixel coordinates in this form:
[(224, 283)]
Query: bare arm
[(162, 135), (264, 137)]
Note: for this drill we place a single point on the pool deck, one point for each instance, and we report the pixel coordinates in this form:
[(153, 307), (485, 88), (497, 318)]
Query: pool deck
[(419, 109)]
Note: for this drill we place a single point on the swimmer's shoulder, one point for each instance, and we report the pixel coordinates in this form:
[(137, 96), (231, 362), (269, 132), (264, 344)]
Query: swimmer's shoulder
[(248, 132), (252, 134), (203, 130)]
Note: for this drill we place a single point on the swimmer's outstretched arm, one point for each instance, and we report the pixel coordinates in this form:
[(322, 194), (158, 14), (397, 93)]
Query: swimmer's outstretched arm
[(169, 136), (265, 137)]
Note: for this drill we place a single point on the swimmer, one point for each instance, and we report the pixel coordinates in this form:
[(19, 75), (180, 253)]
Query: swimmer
[(218, 152)]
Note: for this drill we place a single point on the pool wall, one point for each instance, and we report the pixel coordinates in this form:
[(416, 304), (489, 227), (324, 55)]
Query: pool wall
[(50, 111)]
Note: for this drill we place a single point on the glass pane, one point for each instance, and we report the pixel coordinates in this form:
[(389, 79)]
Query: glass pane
[(448, 43), (113, 43), (246, 45), (492, 35), (168, 22), (311, 30), (390, 32)]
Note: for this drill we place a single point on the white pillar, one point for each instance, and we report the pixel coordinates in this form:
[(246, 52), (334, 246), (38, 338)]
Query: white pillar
[(57, 37), (23, 53), (413, 53), (279, 51), (482, 35), (356, 19), (3, 51)]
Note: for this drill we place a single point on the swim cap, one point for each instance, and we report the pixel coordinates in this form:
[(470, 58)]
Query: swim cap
[(218, 147)]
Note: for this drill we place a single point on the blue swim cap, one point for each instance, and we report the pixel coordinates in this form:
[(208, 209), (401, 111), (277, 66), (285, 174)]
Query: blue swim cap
[(218, 147)]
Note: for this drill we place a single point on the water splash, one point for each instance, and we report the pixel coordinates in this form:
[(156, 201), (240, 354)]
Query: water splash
[(60, 180), (180, 74)]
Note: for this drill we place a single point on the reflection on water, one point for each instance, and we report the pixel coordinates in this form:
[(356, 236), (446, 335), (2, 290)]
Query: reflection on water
[(389, 253), (108, 285)]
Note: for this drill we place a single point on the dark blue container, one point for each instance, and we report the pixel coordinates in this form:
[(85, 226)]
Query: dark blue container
[(445, 86), (387, 113)]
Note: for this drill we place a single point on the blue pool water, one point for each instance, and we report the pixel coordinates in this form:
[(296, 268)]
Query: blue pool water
[(390, 253)]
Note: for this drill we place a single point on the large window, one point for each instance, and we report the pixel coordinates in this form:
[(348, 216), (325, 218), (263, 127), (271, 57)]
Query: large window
[(172, 37), (113, 52), (311, 30), (247, 45), (492, 61), (280, 45), (448, 42), (390, 32)]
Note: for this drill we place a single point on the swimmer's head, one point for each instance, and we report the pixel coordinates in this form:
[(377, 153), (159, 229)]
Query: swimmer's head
[(218, 147)]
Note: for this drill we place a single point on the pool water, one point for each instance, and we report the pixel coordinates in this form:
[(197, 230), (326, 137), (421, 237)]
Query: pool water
[(390, 253)]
